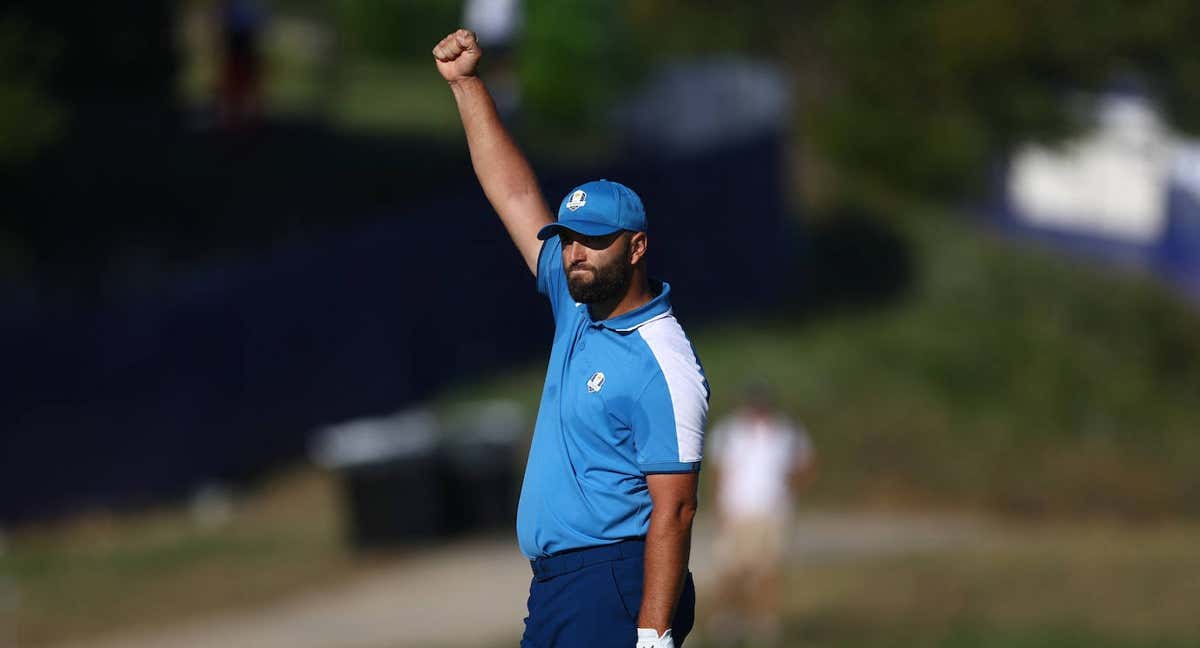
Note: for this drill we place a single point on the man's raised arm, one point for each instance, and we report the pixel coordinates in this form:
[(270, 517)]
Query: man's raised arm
[(505, 174)]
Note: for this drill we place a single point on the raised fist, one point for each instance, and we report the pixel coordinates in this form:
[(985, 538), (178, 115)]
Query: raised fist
[(457, 55)]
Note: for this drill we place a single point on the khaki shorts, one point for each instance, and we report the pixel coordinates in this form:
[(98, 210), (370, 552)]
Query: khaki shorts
[(754, 545)]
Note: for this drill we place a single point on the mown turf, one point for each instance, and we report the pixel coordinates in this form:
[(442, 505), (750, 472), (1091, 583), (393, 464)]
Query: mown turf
[(103, 571), (1044, 585)]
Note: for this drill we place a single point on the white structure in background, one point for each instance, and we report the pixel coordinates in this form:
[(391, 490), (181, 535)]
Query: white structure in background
[(498, 24), (701, 105), (211, 506), (416, 432), (1112, 183), (495, 22), (1186, 169), (371, 440)]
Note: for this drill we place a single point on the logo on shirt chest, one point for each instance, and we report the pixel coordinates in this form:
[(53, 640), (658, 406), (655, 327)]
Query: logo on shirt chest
[(596, 382)]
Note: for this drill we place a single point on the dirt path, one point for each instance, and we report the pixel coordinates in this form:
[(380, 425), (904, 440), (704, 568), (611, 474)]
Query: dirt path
[(472, 593)]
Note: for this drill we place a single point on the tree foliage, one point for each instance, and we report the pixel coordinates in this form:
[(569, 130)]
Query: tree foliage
[(575, 60), (394, 31), (921, 95), (30, 118)]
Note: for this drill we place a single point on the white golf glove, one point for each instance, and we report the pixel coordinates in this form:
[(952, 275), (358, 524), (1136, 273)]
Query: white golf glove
[(648, 638)]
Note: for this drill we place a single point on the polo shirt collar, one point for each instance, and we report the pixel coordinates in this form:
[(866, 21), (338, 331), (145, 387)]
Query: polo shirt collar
[(656, 308)]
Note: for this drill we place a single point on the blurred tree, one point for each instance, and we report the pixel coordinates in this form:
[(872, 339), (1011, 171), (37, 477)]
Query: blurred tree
[(575, 60), (30, 118), (62, 65), (391, 31), (924, 94), (118, 51)]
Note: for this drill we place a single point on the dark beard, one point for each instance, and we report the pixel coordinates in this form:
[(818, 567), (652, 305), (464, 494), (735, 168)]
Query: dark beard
[(608, 284)]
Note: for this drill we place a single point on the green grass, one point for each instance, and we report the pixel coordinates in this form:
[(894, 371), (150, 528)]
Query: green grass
[(164, 566), (1019, 584), (967, 634), (409, 98), (1006, 378)]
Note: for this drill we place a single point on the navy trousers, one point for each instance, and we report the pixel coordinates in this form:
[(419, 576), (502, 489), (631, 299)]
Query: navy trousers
[(590, 599)]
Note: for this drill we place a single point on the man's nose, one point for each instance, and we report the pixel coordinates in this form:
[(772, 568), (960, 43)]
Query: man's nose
[(574, 252)]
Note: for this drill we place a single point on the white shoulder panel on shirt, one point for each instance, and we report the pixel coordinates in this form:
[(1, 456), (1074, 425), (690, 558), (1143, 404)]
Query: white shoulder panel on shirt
[(685, 382)]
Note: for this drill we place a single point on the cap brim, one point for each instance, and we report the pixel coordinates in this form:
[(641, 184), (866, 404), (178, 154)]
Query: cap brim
[(587, 228)]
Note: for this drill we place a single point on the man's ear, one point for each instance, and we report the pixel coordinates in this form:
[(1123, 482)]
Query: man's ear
[(637, 247)]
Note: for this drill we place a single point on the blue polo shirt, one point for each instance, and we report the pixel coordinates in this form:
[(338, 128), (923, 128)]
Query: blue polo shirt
[(624, 397)]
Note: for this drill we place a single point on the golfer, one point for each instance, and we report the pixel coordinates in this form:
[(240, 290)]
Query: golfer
[(606, 508)]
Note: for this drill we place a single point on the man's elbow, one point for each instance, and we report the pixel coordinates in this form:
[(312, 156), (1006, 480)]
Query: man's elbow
[(674, 500), (522, 199), (678, 512)]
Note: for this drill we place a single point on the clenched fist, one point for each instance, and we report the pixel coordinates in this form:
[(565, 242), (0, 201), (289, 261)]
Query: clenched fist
[(457, 55)]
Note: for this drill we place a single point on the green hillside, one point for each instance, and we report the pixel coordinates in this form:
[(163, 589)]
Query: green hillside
[(1002, 377)]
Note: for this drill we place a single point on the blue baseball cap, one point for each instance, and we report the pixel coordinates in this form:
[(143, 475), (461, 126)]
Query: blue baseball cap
[(598, 208)]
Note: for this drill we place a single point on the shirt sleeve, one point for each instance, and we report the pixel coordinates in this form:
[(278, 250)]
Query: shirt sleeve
[(551, 281), (668, 425)]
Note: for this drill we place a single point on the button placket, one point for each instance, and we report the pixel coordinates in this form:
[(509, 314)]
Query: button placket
[(577, 343), (581, 343)]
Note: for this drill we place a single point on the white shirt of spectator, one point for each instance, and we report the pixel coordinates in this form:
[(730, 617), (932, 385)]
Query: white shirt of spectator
[(756, 457)]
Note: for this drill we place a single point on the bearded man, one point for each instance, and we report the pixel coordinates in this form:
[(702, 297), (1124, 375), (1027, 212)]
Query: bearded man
[(609, 495)]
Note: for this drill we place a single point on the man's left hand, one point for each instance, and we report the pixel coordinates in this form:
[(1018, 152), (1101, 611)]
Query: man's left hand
[(648, 638)]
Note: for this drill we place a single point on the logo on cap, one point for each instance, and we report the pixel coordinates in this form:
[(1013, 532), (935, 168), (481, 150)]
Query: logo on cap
[(578, 199)]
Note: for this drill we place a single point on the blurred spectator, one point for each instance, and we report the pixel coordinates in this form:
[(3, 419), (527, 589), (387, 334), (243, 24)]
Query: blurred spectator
[(761, 459), (240, 93)]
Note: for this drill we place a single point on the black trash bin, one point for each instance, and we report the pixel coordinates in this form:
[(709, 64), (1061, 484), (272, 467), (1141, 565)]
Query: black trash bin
[(391, 476), (481, 471)]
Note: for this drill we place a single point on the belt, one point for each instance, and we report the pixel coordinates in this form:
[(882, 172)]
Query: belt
[(571, 560)]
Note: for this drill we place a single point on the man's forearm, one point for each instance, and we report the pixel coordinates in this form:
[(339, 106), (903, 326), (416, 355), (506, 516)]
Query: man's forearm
[(501, 167), (504, 173), (668, 545)]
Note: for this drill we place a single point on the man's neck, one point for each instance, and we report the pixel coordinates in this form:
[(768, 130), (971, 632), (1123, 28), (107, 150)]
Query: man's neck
[(639, 293)]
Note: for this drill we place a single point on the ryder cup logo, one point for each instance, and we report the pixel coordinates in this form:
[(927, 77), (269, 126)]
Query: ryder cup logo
[(595, 382), (578, 199)]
